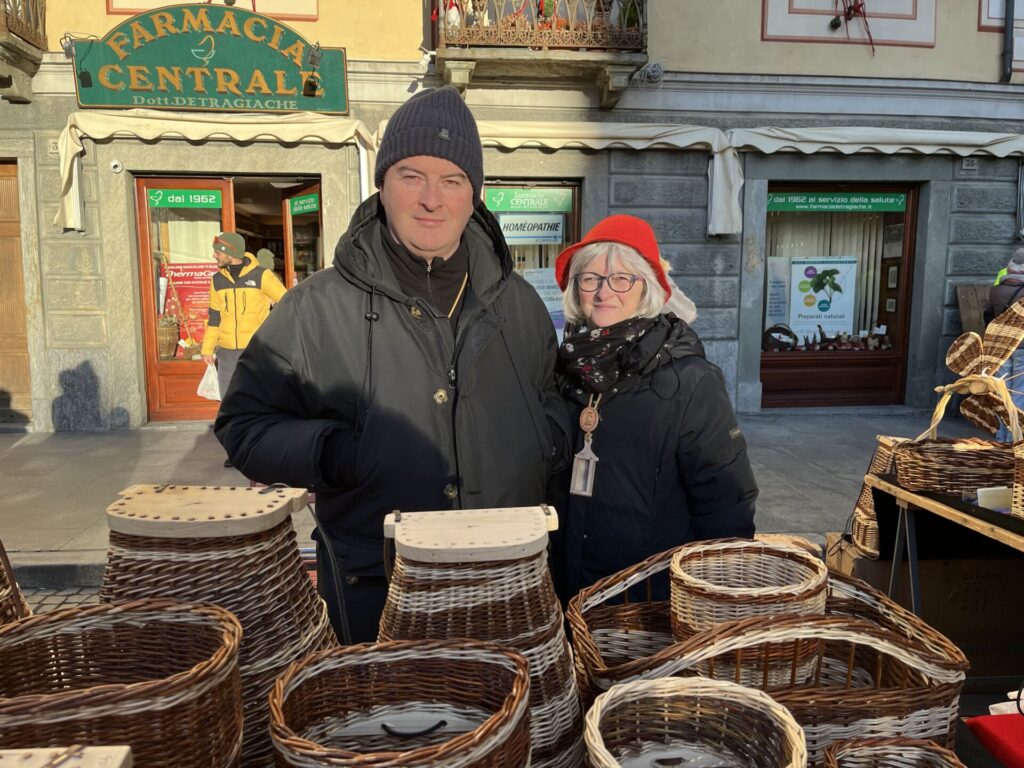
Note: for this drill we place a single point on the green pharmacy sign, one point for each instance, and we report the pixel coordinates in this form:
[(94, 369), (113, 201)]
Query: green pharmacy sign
[(528, 200), (184, 198), (837, 201), (209, 57), (305, 203)]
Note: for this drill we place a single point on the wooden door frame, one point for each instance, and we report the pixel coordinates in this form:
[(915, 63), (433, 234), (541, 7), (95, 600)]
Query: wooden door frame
[(838, 360), (200, 410)]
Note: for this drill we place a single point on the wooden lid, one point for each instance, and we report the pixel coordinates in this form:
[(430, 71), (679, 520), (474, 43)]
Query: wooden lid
[(471, 535), (67, 757), (201, 511)]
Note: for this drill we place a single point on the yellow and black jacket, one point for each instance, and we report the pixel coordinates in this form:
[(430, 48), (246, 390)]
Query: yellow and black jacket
[(237, 309)]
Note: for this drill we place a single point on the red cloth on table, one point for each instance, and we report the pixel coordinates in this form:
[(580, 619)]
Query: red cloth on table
[(1002, 735)]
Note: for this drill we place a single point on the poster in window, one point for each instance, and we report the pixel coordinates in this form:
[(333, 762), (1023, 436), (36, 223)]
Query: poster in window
[(894, 277), (892, 241), (777, 296), (822, 293)]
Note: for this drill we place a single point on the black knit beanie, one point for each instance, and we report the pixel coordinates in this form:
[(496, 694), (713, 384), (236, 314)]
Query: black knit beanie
[(437, 123)]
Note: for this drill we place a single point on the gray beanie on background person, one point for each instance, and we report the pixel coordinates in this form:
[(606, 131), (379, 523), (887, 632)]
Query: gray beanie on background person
[(437, 123), (1015, 266)]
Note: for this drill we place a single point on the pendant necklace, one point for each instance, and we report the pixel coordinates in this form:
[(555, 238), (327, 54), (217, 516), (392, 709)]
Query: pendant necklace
[(584, 464)]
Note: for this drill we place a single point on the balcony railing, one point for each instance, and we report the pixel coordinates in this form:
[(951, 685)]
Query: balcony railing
[(25, 19), (619, 25)]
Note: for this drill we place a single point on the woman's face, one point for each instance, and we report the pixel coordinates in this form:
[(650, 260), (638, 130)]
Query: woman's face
[(604, 306)]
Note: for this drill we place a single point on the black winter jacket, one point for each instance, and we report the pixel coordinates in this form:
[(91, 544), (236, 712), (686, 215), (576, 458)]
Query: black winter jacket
[(672, 467), (431, 421)]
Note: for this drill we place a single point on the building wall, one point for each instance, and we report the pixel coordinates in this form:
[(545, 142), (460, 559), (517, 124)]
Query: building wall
[(386, 30), (726, 37)]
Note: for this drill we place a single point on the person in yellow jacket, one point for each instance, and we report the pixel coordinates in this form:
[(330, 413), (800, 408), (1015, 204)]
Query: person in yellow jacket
[(241, 293)]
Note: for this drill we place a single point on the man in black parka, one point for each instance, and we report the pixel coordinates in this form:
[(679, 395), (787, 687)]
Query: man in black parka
[(416, 374)]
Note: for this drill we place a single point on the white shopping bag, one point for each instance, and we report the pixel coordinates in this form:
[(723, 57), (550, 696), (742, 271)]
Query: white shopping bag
[(209, 387)]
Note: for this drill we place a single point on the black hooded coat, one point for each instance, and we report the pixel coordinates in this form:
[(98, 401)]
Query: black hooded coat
[(672, 465), (364, 394)]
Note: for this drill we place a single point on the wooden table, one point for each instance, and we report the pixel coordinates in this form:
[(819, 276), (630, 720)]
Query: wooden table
[(909, 503)]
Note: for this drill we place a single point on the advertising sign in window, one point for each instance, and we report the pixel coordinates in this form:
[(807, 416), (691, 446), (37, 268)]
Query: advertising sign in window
[(822, 292)]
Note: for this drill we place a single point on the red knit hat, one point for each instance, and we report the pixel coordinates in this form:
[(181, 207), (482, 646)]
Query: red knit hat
[(625, 230)]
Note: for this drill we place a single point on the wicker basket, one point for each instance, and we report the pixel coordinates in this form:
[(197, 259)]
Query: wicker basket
[(889, 753), (157, 675), (240, 554), (12, 602), (616, 640), (166, 341), (864, 527), (728, 579), (675, 721), (952, 466), (445, 585), (868, 681), (1017, 497), (455, 703)]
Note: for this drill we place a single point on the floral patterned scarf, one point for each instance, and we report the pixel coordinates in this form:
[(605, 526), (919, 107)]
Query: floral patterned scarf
[(599, 358)]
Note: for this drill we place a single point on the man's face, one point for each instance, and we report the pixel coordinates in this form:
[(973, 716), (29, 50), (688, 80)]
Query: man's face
[(428, 202), (222, 258)]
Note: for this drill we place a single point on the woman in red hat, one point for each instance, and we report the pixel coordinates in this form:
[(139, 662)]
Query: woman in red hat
[(660, 460)]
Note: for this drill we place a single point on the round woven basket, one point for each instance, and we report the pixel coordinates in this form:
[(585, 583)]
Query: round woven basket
[(453, 703), (691, 721), (157, 675), (889, 753), (728, 579), (952, 466)]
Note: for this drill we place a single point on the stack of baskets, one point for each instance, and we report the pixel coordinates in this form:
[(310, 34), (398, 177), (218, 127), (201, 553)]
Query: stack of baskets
[(483, 574), (864, 527), (458, 704), (863, 667), (157, 675), (234, 547)]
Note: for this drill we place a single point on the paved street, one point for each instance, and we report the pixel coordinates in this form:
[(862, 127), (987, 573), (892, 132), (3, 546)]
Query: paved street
[(54, 488)]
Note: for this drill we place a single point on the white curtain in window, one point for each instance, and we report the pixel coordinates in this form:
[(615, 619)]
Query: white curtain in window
[(814, 235)]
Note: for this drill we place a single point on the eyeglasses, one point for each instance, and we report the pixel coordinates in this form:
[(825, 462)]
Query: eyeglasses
[(620, 282)]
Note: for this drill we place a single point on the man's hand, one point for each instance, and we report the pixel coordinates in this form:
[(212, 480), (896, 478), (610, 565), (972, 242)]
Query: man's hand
[(208, 359)]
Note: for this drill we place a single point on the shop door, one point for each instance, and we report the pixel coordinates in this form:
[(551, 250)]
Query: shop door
[(300, 212), (839, 268), (15, 388), (177, 221)]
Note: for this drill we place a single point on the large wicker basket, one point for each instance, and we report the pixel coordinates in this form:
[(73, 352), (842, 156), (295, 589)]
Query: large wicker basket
[(453, 703), (889, 753), (616, 640), (868, 681), (12, 602), (695, 720), (157, 675), (240, 554), (952, 466), (728, 579)]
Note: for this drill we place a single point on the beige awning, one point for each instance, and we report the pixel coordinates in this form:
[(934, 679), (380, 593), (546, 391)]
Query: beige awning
[(886, 141), (150, 125)]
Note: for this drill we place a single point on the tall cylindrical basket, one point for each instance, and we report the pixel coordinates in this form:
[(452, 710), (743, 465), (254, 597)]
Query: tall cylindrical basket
[(452, 703), (483, 574), (691, 721), (157, 675), (12, 602), (234, 547)]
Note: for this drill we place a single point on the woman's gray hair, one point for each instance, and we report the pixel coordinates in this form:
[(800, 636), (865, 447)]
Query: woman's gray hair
[(620, 257)]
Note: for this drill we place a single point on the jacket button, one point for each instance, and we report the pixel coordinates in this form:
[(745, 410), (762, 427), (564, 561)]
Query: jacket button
[(416, 313), (440, 397), (451, 491)]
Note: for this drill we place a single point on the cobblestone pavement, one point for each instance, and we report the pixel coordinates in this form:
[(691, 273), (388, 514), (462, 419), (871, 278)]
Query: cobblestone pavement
[(47, 600)]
